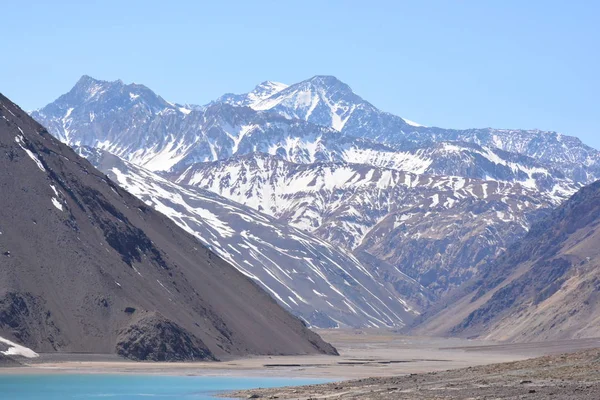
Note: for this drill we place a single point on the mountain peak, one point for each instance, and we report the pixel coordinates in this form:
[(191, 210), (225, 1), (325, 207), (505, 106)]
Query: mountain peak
[(262, 91), (328, 82), (89, 87), (92, 89), (322, 99), (91, 98), (324, 79), (86, 81)]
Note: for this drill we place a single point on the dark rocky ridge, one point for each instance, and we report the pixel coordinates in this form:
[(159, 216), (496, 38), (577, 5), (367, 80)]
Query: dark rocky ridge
[(77, 252), (153, 337)]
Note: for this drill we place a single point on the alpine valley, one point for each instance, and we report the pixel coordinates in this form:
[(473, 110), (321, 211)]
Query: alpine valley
[(345, 214)]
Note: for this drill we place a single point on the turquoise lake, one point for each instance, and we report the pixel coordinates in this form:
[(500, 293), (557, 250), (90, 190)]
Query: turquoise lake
[(128, 387)]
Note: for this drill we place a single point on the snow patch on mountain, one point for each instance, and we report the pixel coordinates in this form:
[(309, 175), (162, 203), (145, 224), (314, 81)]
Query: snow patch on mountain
[(15, 349), (413, 123), (288, 263)]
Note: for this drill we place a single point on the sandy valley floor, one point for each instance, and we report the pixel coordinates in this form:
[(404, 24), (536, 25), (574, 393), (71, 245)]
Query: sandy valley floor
[(363, 354)]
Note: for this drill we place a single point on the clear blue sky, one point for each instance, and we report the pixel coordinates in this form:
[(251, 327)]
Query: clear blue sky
[(455, 64)]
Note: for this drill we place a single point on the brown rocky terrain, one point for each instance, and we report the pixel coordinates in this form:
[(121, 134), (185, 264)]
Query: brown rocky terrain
[(544, 287)]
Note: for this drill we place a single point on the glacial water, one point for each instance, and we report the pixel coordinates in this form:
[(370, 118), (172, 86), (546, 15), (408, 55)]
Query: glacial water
[(130, 387)]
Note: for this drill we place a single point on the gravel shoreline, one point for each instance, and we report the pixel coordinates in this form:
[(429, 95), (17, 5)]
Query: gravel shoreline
[(567, 376)]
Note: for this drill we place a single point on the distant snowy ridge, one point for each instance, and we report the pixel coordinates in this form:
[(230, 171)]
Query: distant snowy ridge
[(155, 134), (326, 101), (261, 92)]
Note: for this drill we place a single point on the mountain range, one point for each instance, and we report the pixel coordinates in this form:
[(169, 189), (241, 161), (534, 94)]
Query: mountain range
[(418, 210), (132, 122), (326, 101)]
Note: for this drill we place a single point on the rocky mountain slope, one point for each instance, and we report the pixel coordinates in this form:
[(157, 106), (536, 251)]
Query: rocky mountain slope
[(312, 278), (6, 361), (436, 229), (544, 287), (87, 267)]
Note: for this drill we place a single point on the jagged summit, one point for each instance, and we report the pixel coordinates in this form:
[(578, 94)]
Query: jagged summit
[(85, 80), (92, 100), (115, 93), (87, 85), (328, 81), (322, 99), (324, 78)]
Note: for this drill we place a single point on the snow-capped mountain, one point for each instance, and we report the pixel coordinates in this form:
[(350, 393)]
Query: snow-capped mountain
[(463, 159), (323, 100), (326, 101), (135, 124), (75, 113), (312, 278), (158, 135), (568, 154), (436, 229)]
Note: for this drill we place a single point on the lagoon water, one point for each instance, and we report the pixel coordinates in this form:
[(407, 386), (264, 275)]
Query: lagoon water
[(130, 387)]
